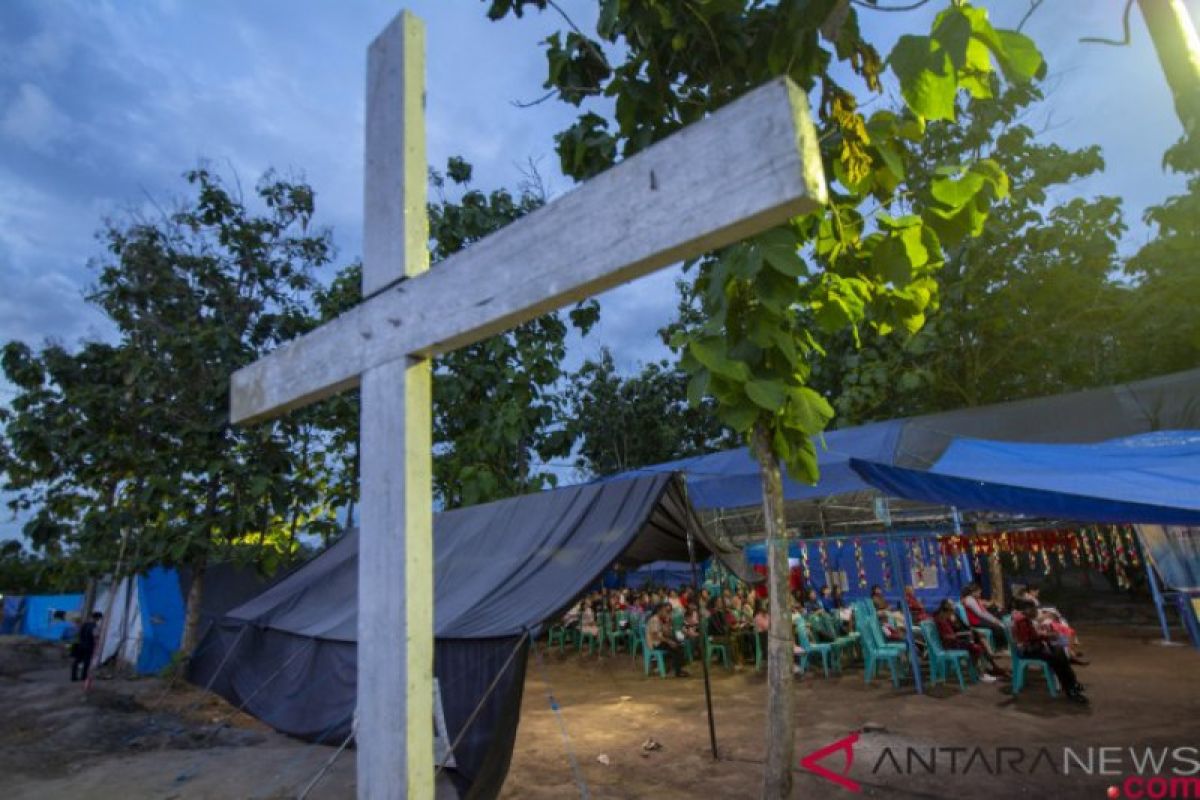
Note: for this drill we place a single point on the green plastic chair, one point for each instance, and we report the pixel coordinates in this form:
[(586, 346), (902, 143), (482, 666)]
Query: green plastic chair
[(875, 648), (823, 623), (612, 633), (823, 649), (941, 660), (1020, 664), (560, 635), (591, 639), (648, 656), (711, 649)]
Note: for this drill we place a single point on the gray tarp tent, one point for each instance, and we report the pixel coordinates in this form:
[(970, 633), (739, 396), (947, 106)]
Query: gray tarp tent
[(501, 570)]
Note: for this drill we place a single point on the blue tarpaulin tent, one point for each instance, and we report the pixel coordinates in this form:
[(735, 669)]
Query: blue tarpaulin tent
[(730, 479), (13, 614), (1151, 478), (145, 622), (672, 574), (40, 612)]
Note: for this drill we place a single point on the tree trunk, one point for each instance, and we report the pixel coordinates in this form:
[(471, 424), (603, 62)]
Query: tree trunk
[(191, 623), (89, 601), (1178, 48), (781, 735)]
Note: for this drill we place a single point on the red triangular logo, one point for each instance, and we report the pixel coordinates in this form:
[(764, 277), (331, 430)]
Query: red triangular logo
[(846, 746)]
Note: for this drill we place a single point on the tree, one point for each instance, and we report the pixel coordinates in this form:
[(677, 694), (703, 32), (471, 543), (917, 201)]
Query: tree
[(195, 294), (1027, 308), (1162, 330), (763, 300), (627, 422), (498, 408)]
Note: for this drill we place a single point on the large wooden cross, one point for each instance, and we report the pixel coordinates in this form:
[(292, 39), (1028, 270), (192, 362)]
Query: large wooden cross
[(749, 167)]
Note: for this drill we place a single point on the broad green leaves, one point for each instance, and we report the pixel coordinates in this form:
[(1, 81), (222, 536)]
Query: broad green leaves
[(959, 55), (871, 258)]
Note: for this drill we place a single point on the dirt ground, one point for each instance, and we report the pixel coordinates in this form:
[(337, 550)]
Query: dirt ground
[(1142, 695), (136, 739)]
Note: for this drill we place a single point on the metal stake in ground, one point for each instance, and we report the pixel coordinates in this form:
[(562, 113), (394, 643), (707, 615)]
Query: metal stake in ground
[(752, 165)]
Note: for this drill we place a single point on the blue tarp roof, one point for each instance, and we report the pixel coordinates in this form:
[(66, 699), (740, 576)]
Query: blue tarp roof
[(730, 479), (1149, 478)]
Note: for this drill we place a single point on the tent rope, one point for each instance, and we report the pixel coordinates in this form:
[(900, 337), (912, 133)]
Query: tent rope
[(562, 727), (479, 706), (328, 765)]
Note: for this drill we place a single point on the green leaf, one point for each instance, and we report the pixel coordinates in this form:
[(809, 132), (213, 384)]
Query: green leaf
[(768, 395), (927, 80), (711, 353), (957, 192), (952, 30), (740, 418), (697, 387), (778, 248), (807, 410), (1020, 60), (802, 463)]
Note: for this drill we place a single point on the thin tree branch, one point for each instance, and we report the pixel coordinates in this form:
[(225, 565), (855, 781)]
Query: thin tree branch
[(874, 7), (1034, 5), (1124, 23)]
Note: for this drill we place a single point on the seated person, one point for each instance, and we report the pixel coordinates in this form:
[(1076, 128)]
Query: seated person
[(915, 607), (812, 603), (826, 599), (1050, 617), (587, 621), (660, 637), (1035, 642), (952, 638), (980, 615)]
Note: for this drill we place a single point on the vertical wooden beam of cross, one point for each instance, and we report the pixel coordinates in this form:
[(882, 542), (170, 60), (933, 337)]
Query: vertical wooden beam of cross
[(395, 557), (752, 165)]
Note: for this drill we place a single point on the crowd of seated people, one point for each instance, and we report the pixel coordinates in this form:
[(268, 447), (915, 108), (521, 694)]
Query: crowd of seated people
[(737, 618)]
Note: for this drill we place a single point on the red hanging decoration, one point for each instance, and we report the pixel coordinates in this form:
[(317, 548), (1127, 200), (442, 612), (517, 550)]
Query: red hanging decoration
[(858, 562)]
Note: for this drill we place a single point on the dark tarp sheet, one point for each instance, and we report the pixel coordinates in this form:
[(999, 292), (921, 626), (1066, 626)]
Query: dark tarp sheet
[(501, 569), (1151, 478)]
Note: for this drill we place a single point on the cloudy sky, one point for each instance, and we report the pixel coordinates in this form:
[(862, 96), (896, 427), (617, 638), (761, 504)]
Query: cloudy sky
[(104, 104)]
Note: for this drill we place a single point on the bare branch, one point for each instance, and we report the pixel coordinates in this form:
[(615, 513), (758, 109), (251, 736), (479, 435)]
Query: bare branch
[(1034, 5), (875, 7), (1125, 24)]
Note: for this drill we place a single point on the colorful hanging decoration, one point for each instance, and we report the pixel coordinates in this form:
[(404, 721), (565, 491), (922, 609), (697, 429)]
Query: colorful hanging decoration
[(881, 551), (1131, 546), (858, 563), (804, 564), (918, 562), (824, 556)]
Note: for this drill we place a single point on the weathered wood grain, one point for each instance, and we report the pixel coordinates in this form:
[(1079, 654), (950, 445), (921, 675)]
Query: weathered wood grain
[(750, 166), (395, 561)]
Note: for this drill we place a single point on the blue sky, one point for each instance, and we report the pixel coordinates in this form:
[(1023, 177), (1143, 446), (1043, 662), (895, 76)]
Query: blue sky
[(103, 105)]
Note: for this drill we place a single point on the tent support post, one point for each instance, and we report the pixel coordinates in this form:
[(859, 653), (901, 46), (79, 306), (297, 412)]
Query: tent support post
[(1188, 615), (898, 566), (712, 727), (1156, 593)]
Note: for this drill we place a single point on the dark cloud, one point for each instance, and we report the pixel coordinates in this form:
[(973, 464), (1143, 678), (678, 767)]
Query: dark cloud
[(103, 105)]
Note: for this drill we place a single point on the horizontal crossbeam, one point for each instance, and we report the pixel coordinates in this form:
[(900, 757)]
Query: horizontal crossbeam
[(750, 166)]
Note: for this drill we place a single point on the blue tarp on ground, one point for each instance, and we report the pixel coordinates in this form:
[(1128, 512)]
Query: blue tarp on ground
[(730, 479), (39, 615), (1149, 478)]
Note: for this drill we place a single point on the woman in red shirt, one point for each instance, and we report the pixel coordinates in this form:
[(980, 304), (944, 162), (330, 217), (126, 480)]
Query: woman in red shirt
[(953, 639)]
